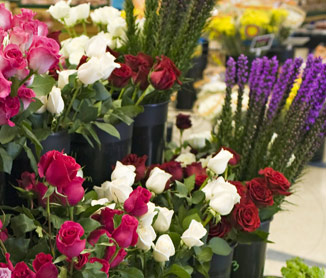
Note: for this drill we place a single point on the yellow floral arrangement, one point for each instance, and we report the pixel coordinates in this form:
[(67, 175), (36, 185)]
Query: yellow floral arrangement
[(293, 93)]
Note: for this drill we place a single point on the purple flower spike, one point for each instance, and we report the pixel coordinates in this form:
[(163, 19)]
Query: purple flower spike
[(230, 73), (242, 73)]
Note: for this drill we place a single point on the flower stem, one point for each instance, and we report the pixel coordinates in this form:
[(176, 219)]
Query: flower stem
[(84, 28), (111, 90), (71, 213), (181, 133), (134, 94), (121, 93), (71, 269), (208, 219), (3, 247), (48, 211), (69, 107)]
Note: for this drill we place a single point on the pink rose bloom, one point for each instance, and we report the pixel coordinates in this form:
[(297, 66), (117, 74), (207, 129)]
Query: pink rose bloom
[(3, 34), (21, 270), (68, 239), (12, 60), (19, 37), (125, 235), (106, 218), (95, 236), (105, 265), (40, 260), (40, 189), (74, 192), (82, 259), (9, 107), (26, 15), (109, 253), (5, 17), (136, 204), (5, 272), (26, 95), (48, 270), (43, 54), (42, 28), (27, 181), (5, 86)]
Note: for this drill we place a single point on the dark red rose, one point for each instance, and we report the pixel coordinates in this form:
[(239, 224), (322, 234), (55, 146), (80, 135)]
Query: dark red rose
[(21, 270), (27, 181), (174, 168), (236, 157), (40, 260), (183, 121), (166, 63), (196, 169), (69, 240), (259, 193), (55, 35), (82, 259), (138, 162), (106, 218), (136, 204), (120, 77), (53, 72), (163, 79), (112, 52), (110, 251), (276, 181), (82, 61), (105, 265), (125, 235), (246, 216), (95, 236), (221, 229), (242, 190), (48, 270)]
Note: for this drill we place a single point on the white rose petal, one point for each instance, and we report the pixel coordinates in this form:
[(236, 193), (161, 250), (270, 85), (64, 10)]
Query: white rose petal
[(72, 18), (44, 100), (147, 219), (198, 140), (191, 237), (97, 45), (82, 11), (101, 202), (126, 172), (146, 236), (59, 10), (63, 79), (186, 159), (5, 272), (163, 220), (55, 104), (157, 180), (219, 162), (102, 15), (117, 27), (115, 191), (74, 48), (163, 249)]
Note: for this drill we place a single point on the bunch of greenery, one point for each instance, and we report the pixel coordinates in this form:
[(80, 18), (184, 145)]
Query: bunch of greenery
[(296, 268)]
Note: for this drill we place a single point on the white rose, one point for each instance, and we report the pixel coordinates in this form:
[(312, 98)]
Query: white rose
[(157, 180), (115, 191), (102, 15), (163, 220), (219, 162), (72, 18), (74, 48), (82, 11), (102, 202), (44, 100), (186, 159), (55, 104), (59, 10), (147, 218), (198, 140), (163, 249), (146, 236), (191, 237), (126, 172), (97, 45), (63, 79), (204, 161), (117, 27), (108, 65)]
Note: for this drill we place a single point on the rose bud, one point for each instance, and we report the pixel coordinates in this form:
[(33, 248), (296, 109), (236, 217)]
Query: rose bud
[(40, 260), (82, 259), (125, 235), (5, 86), (27, 181), (163, 221), (259, 193), (136, 204), (183, 121), (196, 169), (94, 236), (106, 218), (6, 17), (191, 237), (146, 236), (26, 95), (221, 229), (174, 168), (219, 162), (163, 79), (276, 181), (9, 107), (138, 162), (120, 77), (163, 249), (55, 104), (48, 270), (236, 157), (21, 270), (157, 180), (110, 252)]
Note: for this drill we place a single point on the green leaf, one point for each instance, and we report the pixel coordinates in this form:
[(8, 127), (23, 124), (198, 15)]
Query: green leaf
[(101, 92), (6, 161), (8, 133), (198, 197), (41, 246), (87, 112), (187, 220), (89, 224), (57, 221), (22, 224), (49, 192), (93, 271), (131, 272), (256, 236), (190, 183), (179, 271), (60, 259), (30, 135), (17, 248), (220, 246), (204, 254), (89, 211), (181, 189), (42, 85), (108, 128), (31, 157), (5, 219)]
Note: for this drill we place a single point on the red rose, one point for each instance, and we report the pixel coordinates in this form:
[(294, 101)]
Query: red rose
[(174, 168), (236, 157), (125, 235), (196, 169), (246, 216), (21, 270), (242, 190), (27, 181), (55, 36), (95, 236), (120, 77), (221, 229), (259, 193), (109, 253), (82, 259), (138, 162), (40, 260), (276, 181), (48, 270), (166, 63), (111, 51), (82, 61), (105, 265), (183, 121), (106, 218), (68, 239), (136, 204), (163, 79), (141, 66), (74, 192)]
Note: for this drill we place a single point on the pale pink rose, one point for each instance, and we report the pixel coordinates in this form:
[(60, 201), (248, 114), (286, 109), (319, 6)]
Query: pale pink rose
[(5, 272), (12, 60), (9, 107), (3, 34), (42, 28), (43, 54), (18, 36), (26, 95), (26, 15), (5, 86), (5, 17)]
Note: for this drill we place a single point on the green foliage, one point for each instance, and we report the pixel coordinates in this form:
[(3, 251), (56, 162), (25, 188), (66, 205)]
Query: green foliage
[(42, 84), (219, 246), (22, 224), (296, 268)]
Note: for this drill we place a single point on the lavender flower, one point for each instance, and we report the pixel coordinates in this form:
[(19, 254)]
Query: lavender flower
[(230, 73), (242, 73)]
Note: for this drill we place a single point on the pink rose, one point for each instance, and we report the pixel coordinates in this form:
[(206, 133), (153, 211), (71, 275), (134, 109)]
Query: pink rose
[(1, 225), (12, 60), (40, 189), (19, 37), (68, 239), (25, 15), (21, 270), (136, 204), (9, 107), (125, 235), (27, 181), (5, 272), (26, 95), (109, 253), (4, 235), (5, 86), (3, 34), (82, 259), (43, 54), (5, 17), (48, 270), (42, 28), (106, 218), (95, 236), (40, 260), (105, 265)]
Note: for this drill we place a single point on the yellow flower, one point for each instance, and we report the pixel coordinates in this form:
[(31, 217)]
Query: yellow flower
[(221, 25), (260, 18), (293, 93)]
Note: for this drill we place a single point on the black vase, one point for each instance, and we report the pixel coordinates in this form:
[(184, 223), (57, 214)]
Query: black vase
[(149, 132), (251, 257), (98, 161), (59, 141)]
